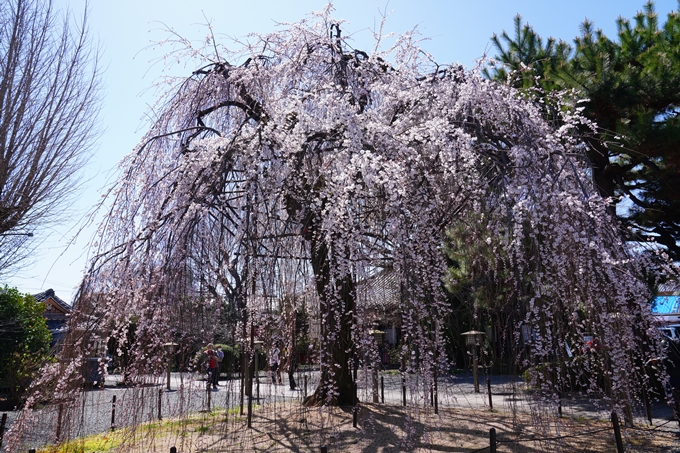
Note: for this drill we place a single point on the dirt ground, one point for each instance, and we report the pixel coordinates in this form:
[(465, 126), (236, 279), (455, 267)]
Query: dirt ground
[(287, 427)]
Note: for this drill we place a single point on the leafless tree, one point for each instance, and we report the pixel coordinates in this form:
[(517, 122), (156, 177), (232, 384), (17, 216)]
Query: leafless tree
[(49, 102)]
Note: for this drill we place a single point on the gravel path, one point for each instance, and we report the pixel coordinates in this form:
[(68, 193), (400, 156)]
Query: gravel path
[(188, 395)]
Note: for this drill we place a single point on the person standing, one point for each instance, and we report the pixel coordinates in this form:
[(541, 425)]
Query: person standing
[(274, 359), (219, 356), (212, 365)]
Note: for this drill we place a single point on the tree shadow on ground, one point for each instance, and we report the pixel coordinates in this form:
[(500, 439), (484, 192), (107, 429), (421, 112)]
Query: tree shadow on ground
[(386, 429)]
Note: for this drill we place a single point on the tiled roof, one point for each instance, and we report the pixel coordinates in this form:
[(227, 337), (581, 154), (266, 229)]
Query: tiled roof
[(381, 295), (383, 288), (42, 297), (669, 288)]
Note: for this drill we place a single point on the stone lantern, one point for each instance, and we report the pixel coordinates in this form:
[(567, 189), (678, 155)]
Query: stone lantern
[(473, 338)]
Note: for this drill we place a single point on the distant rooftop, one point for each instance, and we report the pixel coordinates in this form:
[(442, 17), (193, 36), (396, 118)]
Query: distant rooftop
[(669, 288), (42, 297)]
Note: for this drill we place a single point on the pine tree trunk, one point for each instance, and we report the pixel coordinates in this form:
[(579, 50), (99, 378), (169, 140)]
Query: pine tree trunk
[(602, 172)]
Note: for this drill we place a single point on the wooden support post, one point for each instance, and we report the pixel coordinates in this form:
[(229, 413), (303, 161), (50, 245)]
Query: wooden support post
[(160, 397), (244, 346), (355, 412), (209, 392), (382, 389), (3, 423), (60, 418), (243, 379), (169, 358), (492, 440), (648, 409), (617, 432), (436, 392), (488, 389), (251, 369), (227, 406), (355, 409), (113, 413), (403, 381), (257, 374), (374, 383)]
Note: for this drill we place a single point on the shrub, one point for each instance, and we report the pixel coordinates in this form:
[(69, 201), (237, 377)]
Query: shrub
[(24, 340)]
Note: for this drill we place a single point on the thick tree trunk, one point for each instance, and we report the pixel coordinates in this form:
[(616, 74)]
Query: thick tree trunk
[(336, 304), (337, 373)]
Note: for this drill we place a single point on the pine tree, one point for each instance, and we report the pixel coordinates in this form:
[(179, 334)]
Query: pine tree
[(632, 92)]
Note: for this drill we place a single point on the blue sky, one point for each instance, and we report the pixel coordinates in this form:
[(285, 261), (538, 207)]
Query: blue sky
[(127, 30)]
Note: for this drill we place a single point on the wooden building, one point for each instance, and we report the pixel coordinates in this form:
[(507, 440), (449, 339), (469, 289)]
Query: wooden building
[(57, 313)]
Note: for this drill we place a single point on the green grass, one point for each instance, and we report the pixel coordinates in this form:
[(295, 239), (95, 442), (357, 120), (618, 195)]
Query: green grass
[(203, 429), (100, 443), (106, 442)]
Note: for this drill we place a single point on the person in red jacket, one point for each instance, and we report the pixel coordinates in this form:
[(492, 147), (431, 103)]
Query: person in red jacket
[(212, 365)]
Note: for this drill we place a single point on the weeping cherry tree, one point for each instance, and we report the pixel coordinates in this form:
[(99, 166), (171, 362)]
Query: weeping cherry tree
[(297, 167)]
